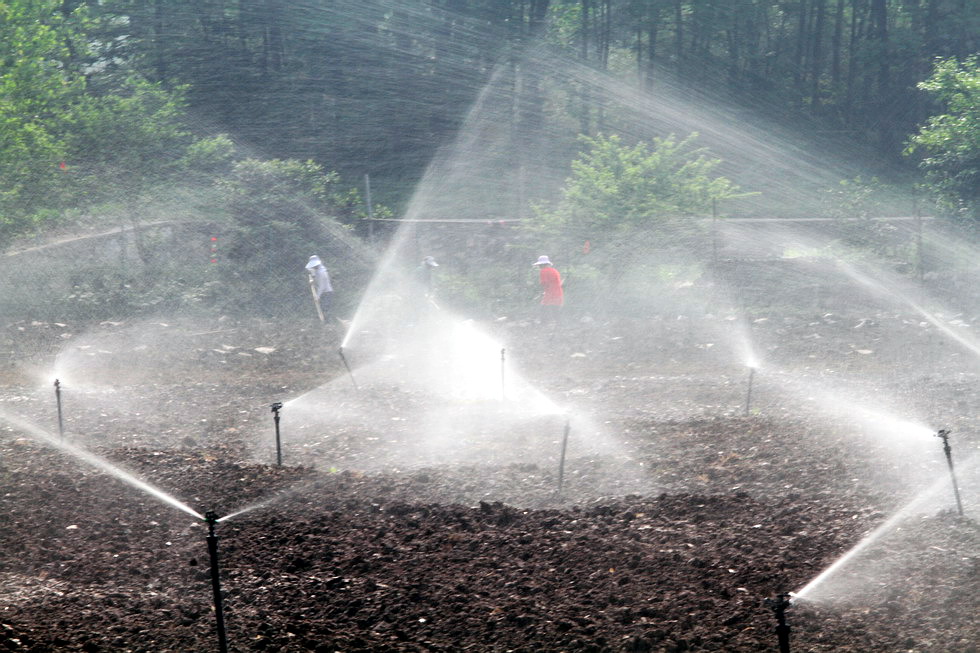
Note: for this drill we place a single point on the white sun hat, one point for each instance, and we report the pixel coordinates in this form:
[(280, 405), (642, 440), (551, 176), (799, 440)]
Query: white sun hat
[(542, 260), (430, 261), (313, 262)]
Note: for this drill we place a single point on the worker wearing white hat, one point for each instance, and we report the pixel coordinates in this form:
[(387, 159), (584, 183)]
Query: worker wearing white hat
[(319, 285)]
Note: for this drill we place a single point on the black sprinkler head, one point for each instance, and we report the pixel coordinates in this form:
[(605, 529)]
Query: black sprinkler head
[(211, 517), (943, 434), (276, 407), (780, 604)]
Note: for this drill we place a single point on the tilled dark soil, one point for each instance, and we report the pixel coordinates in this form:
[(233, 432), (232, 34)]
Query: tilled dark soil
[(477, 557)]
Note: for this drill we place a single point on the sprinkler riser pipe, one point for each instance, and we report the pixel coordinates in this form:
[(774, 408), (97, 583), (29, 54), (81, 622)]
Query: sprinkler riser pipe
[(278, 443), (219, 614), (748, 394), (779, 606), (561, 460), (944, 434), (276, 407), (782, 635), (349, 372), (57, 397)]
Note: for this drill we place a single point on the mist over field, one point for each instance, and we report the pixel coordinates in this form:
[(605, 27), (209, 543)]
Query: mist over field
[(525, 326)]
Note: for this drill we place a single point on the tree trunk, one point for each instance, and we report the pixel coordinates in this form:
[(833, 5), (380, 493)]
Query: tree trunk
[(679, 30), (585, 102), (272, 43), (160, 57), (879, 22), (605, 34), (800, 45), (651, 52), (816, 68), (879, 32), (837, 42), (852, 44), (585, 7)]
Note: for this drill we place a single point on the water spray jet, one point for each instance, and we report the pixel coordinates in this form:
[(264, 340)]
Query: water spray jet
[(779, 605), (344, 359), (57, 398), (96, 461), (211, 518), (276, 407), (814, 590), (944, 434)]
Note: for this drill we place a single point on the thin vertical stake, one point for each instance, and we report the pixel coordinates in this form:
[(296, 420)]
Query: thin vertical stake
[(944, 434), (370, 210), (561, 460), (57, 396), (219, 613), (276, 407), (920, 262), (748, 394)]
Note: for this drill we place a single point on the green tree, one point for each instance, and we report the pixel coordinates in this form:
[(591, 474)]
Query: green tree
[(280, 212), (949, 143), (627, 217), (124, 143), (618, 193), (75, 136), (36, 83)]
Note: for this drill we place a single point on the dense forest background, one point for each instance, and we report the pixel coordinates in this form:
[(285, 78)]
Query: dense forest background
[(273, 114), (375, 86), (315, 79)]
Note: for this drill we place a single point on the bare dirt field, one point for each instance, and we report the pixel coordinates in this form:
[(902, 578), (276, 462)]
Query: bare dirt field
[(734, 506)]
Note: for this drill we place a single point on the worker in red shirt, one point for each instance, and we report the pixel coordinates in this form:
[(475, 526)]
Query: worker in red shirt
[(552, 296)]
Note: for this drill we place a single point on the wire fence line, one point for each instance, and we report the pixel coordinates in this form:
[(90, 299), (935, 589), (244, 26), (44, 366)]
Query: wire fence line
[(184, 265)]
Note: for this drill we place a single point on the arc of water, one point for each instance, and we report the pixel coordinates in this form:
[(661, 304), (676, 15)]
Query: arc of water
[(96, 461), (869, 539), (881, 288), (255, 506)]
